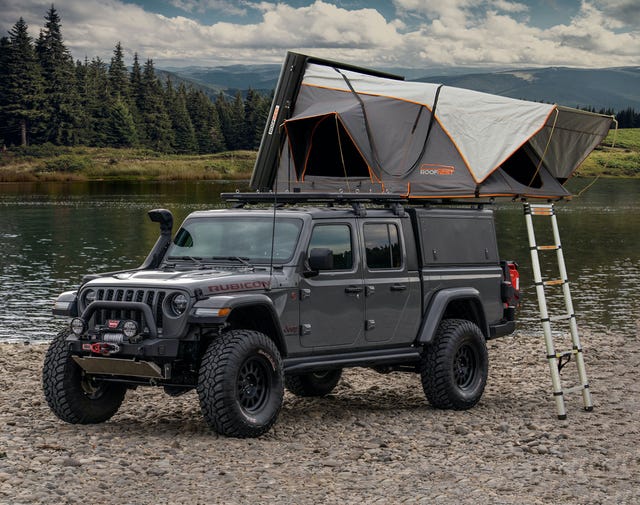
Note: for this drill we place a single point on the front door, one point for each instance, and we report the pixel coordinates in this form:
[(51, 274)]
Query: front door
[(332, 303)]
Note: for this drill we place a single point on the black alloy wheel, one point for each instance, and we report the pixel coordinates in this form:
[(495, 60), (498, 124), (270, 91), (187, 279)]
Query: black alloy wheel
[(455, 365)]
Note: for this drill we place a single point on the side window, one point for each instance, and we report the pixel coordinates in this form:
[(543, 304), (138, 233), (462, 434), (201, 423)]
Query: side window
[(336, 237), (382, 245)]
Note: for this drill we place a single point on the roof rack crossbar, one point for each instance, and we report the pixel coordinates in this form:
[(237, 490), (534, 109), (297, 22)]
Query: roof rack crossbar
[(388, 199), (257, 197)]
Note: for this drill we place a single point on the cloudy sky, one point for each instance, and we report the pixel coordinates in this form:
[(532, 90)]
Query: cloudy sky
[(379, 33)]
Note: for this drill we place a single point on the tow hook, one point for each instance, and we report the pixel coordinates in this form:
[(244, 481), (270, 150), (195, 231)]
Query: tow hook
[(103, 348)]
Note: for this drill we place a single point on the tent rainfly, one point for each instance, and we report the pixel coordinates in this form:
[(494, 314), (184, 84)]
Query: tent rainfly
[(337, 128)]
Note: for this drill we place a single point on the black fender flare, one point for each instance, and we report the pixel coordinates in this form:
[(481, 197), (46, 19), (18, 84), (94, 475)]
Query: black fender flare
[(66, 304), (238, 302), (438, 305)]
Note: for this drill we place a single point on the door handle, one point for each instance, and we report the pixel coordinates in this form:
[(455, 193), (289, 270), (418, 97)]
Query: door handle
[(398, 287), (353, 289)]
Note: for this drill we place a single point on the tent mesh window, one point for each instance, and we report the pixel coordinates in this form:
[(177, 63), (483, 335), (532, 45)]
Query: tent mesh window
[(523, 167), (321, 146)]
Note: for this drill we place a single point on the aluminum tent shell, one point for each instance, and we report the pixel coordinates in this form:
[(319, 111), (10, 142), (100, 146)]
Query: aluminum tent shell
[(345, 130)]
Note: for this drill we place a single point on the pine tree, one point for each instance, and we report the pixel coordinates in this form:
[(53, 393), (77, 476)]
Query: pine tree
[(232, 121), (206, 123), (84, 126), (237, 129), (5, 129), (22, 88), (256, 110), (118, 75), (137, 98), (96, 102), (61, 104), (158, 133), (251, 104), (184, 134), (224, 114), (120, 129)]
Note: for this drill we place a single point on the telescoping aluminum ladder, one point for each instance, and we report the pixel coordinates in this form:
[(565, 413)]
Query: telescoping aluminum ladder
[(556, 359)]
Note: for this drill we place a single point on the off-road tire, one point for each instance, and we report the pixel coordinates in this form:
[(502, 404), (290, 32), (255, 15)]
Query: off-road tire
[(241, 384), (72, 395), (454, 367), (319, 383)]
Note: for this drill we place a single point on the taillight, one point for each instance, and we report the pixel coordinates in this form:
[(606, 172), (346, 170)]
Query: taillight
[(514, 275), (510, 288)]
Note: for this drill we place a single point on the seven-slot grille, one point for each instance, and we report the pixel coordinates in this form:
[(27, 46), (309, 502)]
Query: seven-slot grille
[(152, 297)]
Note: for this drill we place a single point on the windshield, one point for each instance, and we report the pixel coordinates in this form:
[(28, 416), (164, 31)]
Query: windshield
[(236, 239)]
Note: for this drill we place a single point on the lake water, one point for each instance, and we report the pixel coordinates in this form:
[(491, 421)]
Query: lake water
[(51, 234)]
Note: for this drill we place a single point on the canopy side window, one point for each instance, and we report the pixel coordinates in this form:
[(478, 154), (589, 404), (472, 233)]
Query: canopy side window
[(523, 167), (321, 146)]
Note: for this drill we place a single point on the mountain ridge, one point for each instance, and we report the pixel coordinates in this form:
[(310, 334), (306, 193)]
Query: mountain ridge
[(615, 88)]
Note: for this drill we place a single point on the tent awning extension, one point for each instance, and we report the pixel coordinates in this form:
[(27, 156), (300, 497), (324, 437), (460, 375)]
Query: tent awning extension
[(337, 128)]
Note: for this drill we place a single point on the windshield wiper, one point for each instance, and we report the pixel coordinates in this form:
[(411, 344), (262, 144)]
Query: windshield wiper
[(241, 259), (196, 259)]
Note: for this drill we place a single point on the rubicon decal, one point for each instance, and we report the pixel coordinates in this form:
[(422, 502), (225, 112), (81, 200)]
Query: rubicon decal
[(238, 286), (433, 169)]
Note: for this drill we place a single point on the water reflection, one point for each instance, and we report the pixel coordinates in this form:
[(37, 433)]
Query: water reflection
[(52, 234)]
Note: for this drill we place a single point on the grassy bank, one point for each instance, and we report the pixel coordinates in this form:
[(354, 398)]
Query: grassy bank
[(52, 163), (618, 156)]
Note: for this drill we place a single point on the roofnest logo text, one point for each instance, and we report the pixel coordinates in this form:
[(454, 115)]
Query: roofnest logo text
[(431, 169)]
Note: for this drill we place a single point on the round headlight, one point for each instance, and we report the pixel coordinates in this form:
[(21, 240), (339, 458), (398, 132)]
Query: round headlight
[(130, 329), (89, 296), (179, 304), (77, 326)]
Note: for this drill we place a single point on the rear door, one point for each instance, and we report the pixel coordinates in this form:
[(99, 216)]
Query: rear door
[(392, 293)]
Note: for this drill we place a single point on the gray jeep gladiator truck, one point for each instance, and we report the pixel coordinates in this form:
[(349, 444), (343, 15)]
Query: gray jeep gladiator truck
[(242, 302)]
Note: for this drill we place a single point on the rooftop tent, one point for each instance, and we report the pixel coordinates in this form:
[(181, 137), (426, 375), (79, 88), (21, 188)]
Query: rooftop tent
[(338, 128)]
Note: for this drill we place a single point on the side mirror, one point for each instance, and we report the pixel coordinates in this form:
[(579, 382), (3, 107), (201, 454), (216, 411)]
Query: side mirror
[(321, 259)]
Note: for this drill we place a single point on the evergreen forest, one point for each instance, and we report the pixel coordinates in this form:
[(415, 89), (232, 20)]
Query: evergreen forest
[(46, 97)]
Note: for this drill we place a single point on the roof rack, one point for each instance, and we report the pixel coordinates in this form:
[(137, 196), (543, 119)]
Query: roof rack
[(356, 200), (339, 198), (289, 198)]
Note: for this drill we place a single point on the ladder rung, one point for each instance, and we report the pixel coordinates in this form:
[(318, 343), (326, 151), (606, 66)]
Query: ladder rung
[(554, 282), (574, 389), (545, 211), (563, 317), (563, 354), (548, 247)]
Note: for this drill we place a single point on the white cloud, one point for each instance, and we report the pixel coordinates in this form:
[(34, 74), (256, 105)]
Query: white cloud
[(627, 12), (204, 5), (426, 33), (508, 6), (460, 32)]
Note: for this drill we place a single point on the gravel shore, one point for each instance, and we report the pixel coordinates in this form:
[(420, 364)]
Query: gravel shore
[(374, 440)]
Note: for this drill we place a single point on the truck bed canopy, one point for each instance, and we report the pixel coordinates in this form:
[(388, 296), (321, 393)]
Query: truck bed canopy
[(342, 129)]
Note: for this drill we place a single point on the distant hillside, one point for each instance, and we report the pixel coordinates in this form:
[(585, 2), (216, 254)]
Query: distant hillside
[(261, 78), (616, 88)]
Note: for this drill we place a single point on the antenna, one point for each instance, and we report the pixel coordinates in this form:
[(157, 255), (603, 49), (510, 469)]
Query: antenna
[(275, 206), (273, 231)]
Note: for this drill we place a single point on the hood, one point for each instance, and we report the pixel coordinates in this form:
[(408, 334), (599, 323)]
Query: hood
[(210, 282)]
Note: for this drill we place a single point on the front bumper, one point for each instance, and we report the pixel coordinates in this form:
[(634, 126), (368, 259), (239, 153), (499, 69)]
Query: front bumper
[(167, 348), (151, 358)]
